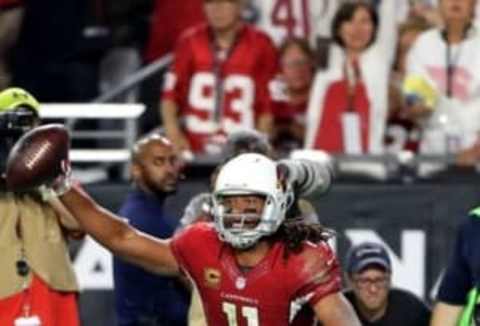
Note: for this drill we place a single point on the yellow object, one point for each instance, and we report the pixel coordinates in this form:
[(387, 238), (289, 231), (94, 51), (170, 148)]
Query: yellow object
[(417, 88), (13, 97)]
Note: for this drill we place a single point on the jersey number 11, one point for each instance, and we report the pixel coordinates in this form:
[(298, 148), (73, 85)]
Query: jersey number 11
[(249, 313)]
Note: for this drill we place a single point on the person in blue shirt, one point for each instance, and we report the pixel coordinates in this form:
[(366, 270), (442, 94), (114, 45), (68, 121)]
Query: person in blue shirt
[(458, 298), (142, 298)]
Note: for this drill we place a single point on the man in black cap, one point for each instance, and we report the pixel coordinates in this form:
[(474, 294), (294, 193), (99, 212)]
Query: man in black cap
[(369, 272)]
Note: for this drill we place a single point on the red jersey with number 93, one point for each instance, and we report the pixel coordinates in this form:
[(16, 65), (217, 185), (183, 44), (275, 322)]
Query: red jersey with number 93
[(275, 292), (218, 92)]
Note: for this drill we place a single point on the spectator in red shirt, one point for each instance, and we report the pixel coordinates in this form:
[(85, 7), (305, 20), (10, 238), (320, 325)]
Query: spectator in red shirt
[(289, 93), (218, 81)]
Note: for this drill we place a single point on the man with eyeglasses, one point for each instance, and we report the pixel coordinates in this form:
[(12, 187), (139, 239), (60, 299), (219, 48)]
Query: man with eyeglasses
[(368, 272)]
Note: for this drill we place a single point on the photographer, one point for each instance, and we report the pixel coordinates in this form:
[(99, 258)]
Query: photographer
[(37, 284)]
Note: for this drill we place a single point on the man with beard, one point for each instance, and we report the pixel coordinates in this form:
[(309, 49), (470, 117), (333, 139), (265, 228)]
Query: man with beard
[(369, 272), (142, 298)]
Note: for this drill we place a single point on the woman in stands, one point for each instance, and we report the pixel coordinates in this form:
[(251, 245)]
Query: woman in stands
[(348, 104)]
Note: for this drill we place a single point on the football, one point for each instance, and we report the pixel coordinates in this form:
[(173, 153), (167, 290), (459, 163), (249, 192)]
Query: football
[(37, 157)]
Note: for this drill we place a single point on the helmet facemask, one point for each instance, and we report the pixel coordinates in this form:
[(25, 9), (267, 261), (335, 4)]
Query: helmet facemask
[(243, 226)]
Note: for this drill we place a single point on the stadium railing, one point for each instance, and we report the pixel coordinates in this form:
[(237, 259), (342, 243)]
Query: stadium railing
[(127, 134)]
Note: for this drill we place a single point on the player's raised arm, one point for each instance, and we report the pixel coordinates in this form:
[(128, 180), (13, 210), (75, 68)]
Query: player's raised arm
[(40, 157), (335, 310), (118, 236)]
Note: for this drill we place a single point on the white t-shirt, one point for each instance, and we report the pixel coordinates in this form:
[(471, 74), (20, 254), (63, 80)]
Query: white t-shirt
[(455, 121)]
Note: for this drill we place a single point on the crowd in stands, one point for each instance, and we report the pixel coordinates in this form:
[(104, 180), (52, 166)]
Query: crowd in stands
[(348, 77)]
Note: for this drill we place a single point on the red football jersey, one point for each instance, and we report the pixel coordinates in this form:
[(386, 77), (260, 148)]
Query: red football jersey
[(220, 92), (287, 112), (271, 293)]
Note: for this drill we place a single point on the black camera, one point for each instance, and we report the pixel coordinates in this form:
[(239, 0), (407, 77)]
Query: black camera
[(13, 124), (19, 119)]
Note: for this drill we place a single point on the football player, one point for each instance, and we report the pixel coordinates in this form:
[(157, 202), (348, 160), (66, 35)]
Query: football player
[(251, 266), (313, 176)]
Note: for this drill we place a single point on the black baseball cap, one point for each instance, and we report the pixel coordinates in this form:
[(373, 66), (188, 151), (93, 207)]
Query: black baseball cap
[(366, 255)]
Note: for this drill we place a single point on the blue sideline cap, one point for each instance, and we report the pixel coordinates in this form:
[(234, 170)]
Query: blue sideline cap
[(365, 255)]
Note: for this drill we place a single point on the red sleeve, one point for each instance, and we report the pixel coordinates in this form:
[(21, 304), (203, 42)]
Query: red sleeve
[(191, 245), (181, 245), (320, 275), (267, 69), (4, 4), (178, 77)]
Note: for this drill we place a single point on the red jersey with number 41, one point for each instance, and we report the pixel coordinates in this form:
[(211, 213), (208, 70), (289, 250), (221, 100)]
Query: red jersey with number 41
[(300, 18), (272, 293), (218, 92)]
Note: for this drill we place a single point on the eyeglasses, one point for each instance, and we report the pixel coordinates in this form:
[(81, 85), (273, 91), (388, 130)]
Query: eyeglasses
[(366, 282), (298, 63)]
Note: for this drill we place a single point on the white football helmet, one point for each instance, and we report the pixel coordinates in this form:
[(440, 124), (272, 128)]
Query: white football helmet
[(248, 174)]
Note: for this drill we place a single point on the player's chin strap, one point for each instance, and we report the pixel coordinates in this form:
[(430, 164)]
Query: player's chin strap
[(60, 185)]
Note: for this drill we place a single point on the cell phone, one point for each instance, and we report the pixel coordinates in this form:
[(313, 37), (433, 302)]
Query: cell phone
[(322, 51)]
